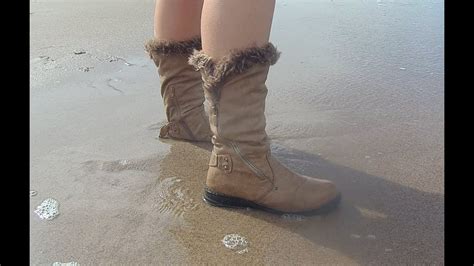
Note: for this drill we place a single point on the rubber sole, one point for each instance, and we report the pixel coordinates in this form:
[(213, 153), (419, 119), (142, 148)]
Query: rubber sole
[(219, 200), (171, 140)]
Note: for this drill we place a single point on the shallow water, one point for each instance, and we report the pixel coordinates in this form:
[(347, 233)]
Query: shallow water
[(356, 97)]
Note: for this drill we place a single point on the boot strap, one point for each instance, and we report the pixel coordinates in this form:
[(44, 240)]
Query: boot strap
[(221, 161), (165, 130)]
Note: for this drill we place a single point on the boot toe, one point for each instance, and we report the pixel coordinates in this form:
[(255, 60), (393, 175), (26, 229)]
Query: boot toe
[(319, 194)]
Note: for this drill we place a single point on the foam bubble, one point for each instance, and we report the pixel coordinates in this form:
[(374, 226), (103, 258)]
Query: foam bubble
[(293, 217), (72, 263), (48, 209), (236, 242)]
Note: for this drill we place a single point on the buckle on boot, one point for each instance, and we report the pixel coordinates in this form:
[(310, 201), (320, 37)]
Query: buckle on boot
[(223, 162), (213, 160), (165, 130)]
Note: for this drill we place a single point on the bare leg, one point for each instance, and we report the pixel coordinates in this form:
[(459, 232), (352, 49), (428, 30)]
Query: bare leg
[(177, 20), (235, 24)]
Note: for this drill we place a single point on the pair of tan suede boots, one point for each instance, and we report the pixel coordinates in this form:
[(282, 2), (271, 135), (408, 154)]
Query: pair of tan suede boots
[(242, 171)]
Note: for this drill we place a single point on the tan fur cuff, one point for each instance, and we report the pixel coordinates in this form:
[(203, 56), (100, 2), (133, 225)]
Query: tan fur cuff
[(236, 62), (164, 47)]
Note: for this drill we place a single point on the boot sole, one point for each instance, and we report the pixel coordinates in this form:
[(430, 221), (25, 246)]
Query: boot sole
[(219, 200), (165, 139)]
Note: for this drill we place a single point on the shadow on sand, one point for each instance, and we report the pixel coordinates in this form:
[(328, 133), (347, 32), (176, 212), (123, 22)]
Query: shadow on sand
[(378, 221)]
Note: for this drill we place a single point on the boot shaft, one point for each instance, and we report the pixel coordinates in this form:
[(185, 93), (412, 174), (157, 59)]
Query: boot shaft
[(235, 89), (237, 114), (181, 89)]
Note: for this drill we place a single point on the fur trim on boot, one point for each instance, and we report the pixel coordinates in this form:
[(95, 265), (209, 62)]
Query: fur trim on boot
[(238, 61), (164, 47)]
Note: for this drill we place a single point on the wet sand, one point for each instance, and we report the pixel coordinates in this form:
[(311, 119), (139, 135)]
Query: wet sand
[(357, 97)]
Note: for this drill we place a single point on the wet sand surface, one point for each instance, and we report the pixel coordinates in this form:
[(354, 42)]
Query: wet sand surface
[(357, 97)]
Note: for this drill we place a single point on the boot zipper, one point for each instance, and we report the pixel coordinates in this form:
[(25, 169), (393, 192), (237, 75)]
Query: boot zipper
[(252, 167)]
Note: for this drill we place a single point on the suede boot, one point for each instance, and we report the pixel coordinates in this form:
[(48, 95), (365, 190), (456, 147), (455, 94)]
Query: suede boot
[(242, 171), (181, 89)]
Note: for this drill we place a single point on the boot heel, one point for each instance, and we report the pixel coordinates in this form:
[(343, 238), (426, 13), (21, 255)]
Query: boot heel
[(219, 200)]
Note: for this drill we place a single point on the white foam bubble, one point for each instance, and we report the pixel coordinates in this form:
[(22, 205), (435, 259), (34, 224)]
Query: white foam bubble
[(72, 263), (371, 237), (293, 217), (48, 209), (245, 250), (236, 242)]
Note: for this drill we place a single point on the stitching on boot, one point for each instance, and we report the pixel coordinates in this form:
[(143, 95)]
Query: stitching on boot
[(238, 61), (166, 47)]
